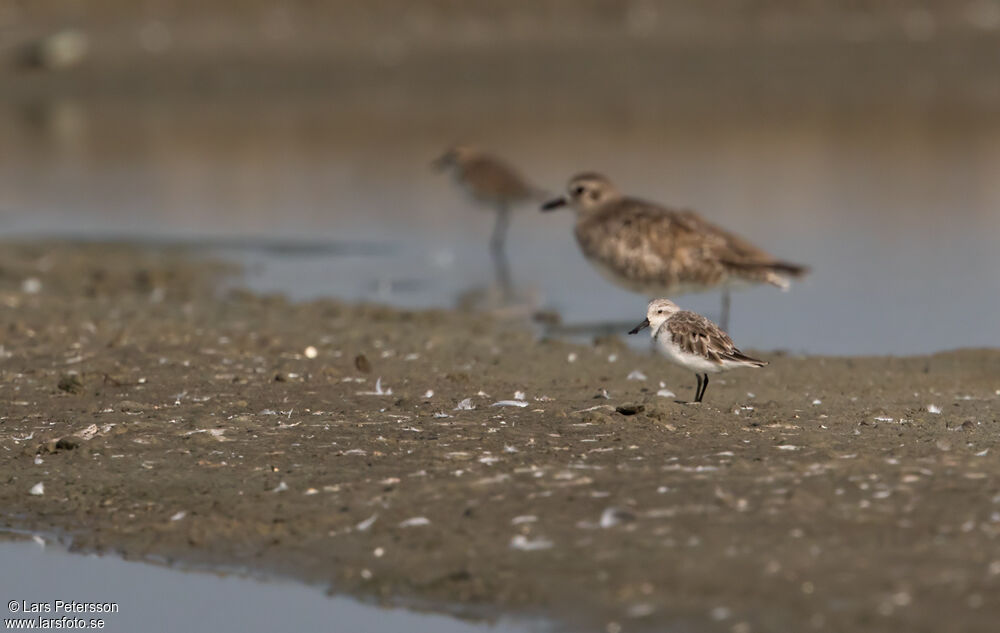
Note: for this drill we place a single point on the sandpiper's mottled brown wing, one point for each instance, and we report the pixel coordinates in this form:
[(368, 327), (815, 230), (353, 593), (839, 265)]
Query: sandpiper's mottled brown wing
[(493, 180), (695, 334), (647, 245)]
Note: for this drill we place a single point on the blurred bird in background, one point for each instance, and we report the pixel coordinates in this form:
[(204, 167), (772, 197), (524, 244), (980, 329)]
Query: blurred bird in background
[(491, 182)]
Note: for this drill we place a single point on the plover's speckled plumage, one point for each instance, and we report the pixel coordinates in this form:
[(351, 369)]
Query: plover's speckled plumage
[(489, 181), (653, 250), (694, 342)]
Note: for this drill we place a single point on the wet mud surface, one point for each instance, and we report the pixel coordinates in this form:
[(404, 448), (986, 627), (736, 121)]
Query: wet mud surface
[(364, 448)]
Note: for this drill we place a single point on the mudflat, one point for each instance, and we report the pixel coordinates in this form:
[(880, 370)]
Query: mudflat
[(453, 461)]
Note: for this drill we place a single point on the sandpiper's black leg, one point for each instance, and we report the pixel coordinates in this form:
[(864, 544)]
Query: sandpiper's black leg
[(724, 316), (697, 390), (703, 384)]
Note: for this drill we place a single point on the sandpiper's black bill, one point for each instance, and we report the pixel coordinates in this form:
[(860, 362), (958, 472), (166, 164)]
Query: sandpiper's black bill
[(554, 204), (640, 327)]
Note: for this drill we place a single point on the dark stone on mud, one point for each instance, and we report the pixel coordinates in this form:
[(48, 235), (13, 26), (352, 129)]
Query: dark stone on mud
[(64, 444), (53, 446), (361, 364), (630, 408), (70, 383), (128, 406)]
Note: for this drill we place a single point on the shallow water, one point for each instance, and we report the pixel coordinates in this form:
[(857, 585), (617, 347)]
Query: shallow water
[(894, 207), (153, 598)]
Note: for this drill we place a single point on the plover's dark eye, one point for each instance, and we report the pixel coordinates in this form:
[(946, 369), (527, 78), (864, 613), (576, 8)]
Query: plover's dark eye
[(578, 190)]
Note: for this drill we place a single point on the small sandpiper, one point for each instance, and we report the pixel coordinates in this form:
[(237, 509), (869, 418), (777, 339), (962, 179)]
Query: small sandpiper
[(490, 181), (693, 342), (654, 250)]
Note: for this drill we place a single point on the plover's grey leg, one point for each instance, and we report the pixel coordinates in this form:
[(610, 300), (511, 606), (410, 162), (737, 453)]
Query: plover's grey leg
[(724, 317), (501, 272), (697, 390), (500, 229), (498, 239)]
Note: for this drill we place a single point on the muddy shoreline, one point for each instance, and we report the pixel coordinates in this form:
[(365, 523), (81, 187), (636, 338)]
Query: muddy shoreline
[(166, 421)]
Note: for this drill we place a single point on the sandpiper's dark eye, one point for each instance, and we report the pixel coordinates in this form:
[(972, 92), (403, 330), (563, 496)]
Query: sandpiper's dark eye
[(659, 311), (578, 190)]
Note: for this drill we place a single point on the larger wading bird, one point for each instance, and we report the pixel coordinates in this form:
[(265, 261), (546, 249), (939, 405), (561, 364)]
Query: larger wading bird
[(653, 250)]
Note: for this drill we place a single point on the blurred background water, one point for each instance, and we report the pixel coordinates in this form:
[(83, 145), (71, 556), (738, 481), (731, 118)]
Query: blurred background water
[(863, 141)]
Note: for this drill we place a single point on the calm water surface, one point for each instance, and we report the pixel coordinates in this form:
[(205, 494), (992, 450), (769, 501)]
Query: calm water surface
[(152, 598)]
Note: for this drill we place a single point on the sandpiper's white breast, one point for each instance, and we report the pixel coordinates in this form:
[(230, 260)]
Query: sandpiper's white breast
[(695, 362)]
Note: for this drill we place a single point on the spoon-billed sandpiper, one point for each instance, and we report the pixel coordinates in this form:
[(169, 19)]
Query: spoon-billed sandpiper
[(653, 250), (693, 342)]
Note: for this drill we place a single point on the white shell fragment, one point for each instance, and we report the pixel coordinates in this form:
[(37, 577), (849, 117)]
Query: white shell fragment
[(465, 405), (88, 433), (615, 516), (635, 374), (379, 390), (281, 487), (510, 403), (31, 286), (523, 543), (666, 393), (932, 408), (415, 522), (367, 523), (37, 490), (311, 352), (178, 516)]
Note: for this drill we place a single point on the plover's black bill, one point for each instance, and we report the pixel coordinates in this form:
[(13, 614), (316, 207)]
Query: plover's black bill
[(642, 326), (551, 205)]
